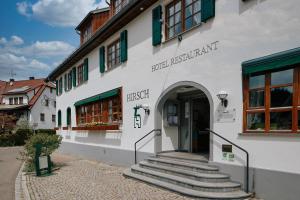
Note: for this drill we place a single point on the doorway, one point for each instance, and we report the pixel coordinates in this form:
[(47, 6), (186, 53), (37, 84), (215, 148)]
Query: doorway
[(194, 119)]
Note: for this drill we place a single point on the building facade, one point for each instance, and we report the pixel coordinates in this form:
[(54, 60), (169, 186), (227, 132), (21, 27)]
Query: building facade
[(183, 67), (33, 100)]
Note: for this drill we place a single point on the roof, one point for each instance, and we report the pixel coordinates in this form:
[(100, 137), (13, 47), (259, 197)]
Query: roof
[(22, 86), (115, 23), (11, 107), (34, 99), (96, 11)]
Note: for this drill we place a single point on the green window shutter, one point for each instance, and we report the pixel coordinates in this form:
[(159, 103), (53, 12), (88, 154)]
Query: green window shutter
[(102, 59), (60, 86), (207, 9), (86, 69), (56, 83), (65, 82), (68, 116), (124, 46), (74, 76), (70, 77), (156, 25), (59, 118)]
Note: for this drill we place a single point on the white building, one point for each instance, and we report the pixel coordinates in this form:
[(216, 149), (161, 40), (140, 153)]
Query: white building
[(182, 67), (32, 99)]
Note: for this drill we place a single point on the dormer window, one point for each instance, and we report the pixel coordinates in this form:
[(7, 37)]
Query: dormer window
[(119, 4), (87, 34)]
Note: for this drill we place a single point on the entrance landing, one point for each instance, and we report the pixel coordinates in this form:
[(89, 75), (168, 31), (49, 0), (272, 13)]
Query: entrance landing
[(185, 156)]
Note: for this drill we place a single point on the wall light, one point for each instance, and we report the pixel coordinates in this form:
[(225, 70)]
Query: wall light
[(222, 95)]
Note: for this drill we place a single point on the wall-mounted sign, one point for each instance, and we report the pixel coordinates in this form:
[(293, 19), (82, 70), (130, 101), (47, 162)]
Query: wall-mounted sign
[(226, 116), (135, 96), (185, 56), (227, 148)]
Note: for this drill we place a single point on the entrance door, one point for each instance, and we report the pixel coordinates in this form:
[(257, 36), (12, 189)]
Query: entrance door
[(194, 119)]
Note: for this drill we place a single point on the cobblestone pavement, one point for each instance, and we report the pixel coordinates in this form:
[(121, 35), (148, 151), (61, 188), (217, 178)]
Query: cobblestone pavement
[(83, 179)]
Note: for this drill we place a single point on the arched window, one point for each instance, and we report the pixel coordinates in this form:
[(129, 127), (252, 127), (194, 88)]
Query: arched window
[(68, 116), (59, 118)]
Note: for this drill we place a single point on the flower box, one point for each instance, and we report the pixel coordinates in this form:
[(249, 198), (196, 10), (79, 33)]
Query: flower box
[(96, 128)]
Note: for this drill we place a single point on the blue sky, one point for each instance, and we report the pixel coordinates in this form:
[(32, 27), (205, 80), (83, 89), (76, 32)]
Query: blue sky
[(36, 35)]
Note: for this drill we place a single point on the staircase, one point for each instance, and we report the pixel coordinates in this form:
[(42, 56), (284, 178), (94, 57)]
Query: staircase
[(190, 176)]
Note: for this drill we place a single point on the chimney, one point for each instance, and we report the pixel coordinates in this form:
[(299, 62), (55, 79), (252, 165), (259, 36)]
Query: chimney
[(11, 81), (31, 78)]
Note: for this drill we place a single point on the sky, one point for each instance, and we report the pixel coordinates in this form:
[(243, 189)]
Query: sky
[(37, 35)]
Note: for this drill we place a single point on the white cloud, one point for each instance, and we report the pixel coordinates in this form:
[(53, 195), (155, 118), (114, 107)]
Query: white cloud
[(23, 8), (59, 12), (3, 40), (9, 61), (16, 40)]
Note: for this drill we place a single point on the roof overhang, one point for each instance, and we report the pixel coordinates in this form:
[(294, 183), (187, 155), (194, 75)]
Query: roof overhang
[(5, 107), (115, 23)]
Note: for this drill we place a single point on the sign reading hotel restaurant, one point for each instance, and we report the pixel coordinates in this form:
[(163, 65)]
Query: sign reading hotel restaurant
[(186, 56), (135, 96)]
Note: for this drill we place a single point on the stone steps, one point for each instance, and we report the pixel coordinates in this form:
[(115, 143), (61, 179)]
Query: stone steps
[(209, 177), (191, 177)]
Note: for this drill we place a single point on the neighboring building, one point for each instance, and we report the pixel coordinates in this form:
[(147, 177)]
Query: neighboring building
[(32, 99), (181, 67)]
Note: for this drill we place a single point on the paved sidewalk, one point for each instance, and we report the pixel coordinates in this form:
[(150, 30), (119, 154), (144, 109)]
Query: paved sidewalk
[(9, 168), (83, 179)]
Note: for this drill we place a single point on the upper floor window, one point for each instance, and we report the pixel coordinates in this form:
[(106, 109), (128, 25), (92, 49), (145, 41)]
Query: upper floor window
[(16, 100), (182, 15), (80, 74), (87, 33), (11, 101), (21, 100), (113, 55), (119, 4), (69, 82), (47, 102)]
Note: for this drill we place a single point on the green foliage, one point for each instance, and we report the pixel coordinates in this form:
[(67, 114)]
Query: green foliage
[(22, 123), (48, 131), (49, 142), (17, 138)]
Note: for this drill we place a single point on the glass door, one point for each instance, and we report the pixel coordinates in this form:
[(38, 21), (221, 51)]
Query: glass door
[(184, 136)]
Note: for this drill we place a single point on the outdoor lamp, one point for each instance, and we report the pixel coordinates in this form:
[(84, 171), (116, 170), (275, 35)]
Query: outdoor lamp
[(222, 95)]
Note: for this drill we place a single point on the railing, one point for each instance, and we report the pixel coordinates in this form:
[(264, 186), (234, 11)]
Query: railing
[(237, 146), (154, 130)]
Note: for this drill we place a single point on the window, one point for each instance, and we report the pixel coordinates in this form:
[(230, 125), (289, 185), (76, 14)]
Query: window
[(16, 100), (11, 101), (272, 101), (80, 74), (119, 4), (182, 15), (51, 90), (54, 118), (69, 83), (87, 33), (113, 55), (20, 100), (54, 104), (47, 102), (42, 117), (107, 111)]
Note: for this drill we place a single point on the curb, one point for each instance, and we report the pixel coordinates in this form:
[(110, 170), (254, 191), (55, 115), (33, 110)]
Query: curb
[(21, 190)]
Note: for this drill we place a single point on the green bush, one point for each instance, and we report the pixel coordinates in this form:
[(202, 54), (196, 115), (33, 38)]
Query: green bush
[(15, 138), (49, 143), (48, 131)]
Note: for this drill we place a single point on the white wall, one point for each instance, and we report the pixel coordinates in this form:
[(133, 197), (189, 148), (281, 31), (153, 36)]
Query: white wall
[(243, 31), (39, 108), (6, 98)]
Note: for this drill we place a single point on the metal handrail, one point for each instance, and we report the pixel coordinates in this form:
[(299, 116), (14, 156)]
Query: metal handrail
[(154, 130), (247, 154)]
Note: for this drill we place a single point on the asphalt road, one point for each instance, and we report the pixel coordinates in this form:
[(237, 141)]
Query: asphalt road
[(9, 168)]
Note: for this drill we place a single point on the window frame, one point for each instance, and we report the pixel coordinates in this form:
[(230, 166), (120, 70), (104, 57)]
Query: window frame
[(21, 100), (80, 76), (182, 18), (267, 109), (109, 59), (42, 117), (54, 118)]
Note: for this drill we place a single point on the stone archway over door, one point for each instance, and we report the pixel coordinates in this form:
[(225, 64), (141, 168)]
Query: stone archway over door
[(165, 95)]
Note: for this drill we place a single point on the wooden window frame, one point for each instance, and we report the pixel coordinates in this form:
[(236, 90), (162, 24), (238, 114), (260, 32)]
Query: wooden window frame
[(80, 77), (21, 100), (267, 109), (110, 64), (93, 114), (182, 19)]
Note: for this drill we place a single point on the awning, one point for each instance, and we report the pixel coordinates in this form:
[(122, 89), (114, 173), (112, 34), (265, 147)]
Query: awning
[(275, 61), (98, 97)]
